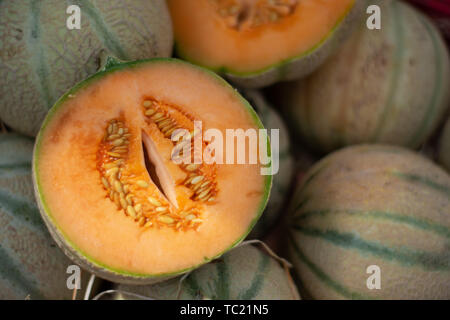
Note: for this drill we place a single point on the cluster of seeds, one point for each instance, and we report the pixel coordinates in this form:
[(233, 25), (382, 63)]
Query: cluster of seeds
[(122, 188), (239, 14), (203, 186)]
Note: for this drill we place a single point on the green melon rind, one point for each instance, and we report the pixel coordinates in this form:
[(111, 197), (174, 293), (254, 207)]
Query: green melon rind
[(69, 248), (444, 147), (244, 273), (294, 67)]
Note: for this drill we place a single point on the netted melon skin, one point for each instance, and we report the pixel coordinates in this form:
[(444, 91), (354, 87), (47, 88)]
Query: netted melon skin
[(40, 58), (372, 205), (244, 273), (385, 86), (31, 264)]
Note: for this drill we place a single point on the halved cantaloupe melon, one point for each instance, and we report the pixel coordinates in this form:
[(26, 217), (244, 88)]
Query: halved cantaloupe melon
[(258, 42), (107, 186)]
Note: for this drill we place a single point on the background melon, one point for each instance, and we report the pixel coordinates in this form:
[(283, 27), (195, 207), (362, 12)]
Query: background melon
[(282, 180), (372, 205), (244, 273), (444, 146), (40, 58), (31, 264), (386, 86), (257, 43)]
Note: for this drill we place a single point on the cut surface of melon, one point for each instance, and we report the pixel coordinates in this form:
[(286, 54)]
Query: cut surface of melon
[(245, 36), (107, 184)]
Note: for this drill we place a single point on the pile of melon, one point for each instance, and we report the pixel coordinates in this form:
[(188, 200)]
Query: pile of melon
[(223, 149)]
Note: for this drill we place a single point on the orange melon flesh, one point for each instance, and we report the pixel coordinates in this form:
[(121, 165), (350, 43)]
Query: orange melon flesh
[(204, 36), (68, 177)]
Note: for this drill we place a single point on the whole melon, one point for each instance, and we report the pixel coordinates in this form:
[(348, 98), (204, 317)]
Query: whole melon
[(31, 264), (40, 58), (444, 146), (283, 178), (386, 86), (244, 273), (368, 213)]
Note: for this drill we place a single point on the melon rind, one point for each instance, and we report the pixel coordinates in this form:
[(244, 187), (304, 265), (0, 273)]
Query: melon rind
[(69, 248)]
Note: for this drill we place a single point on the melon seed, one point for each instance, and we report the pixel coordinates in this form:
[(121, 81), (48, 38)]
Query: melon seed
[(138, 207), (148, 224), (118, 142), (192, 167), (142, 183), (105, 183), (113, 154), (197, 179), (111, 171), (131, 211), (154, 201), (165, 219), (118, 186)]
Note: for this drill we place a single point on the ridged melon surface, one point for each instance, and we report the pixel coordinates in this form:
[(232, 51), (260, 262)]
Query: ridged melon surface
[(444, 146), (40, 58), (384, 86), (372, 205), (245, 273), (31, 264), (281, 180)]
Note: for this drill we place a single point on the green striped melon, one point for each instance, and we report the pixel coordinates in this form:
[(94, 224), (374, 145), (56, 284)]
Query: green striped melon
[(244, 273), (444, 146), (31, 264), (40, 58), (372, 205), (386, 86), (282, 180)]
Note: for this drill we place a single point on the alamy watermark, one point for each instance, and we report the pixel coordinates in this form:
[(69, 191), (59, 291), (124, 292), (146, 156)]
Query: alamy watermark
[(238, 146)]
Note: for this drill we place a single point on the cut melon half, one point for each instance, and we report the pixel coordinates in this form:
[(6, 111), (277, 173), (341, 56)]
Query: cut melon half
[(107, 186), (258, 42)]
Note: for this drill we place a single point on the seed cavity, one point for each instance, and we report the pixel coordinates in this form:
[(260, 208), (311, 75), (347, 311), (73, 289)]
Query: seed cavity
[(162, 115), (130, 193), (244, 14)]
